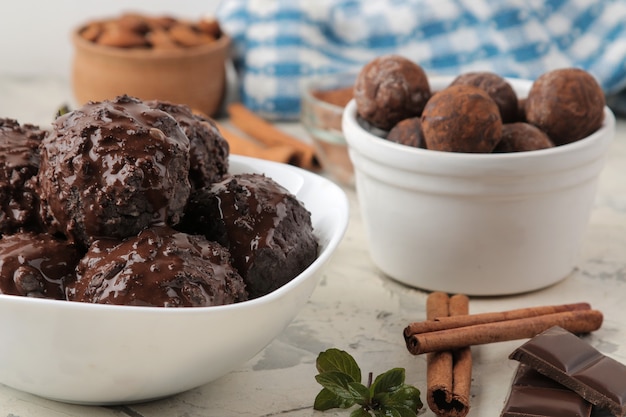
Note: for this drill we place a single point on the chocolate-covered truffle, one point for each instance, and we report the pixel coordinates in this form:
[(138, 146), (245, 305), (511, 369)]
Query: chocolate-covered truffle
[(567, 104), (390, 88), (159, 267), (520, 137), (461, 118), (112, 168), (498, 89), (521, 110), (19, 163), (267, 230), (408, 132), (208, 150), (36, 265)]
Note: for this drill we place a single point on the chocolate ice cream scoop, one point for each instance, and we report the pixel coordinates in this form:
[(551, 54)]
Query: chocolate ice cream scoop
[(390, 88), (498, 89), (19, 163), (267, 230), (208, 151), (36, 265), (159, 267), (567, 104), (461, 118), (112, 168)]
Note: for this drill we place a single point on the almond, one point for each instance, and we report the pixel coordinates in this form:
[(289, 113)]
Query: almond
[(118, 36)]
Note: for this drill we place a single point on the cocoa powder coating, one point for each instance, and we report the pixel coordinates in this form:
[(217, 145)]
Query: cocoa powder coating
[(520, 137), (461, 118), (567, 104), (498, 89), (335, 96), (408, 132), (390, 88)]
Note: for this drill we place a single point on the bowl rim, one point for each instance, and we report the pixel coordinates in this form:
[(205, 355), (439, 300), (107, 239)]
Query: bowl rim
[(221, 43), (310, 84), (359, 139), (341, 210)]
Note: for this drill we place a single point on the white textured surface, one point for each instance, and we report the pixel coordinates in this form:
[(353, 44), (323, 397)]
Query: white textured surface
[(357, 309)]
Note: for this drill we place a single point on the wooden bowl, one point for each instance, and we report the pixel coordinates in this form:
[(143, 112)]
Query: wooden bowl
[(195, 76)]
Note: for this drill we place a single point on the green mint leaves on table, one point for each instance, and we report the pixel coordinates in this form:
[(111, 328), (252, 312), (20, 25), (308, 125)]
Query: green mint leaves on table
[(387, 396)]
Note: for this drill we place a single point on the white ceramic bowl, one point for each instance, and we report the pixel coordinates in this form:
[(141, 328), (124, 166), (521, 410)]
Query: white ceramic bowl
[(104, 354), (479, 224)]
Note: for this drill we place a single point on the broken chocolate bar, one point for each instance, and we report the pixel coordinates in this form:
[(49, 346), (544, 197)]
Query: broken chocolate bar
[(533, 394), (572, 362)]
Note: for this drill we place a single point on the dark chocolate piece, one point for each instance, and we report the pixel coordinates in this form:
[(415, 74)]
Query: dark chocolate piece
[(572, 362), (535, 395)]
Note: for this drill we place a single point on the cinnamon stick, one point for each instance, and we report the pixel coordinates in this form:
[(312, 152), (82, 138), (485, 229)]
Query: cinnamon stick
[(577, 321), (438, 364), (448, 373), (263, 131), (462, 359), (242, 146), (450, 322)]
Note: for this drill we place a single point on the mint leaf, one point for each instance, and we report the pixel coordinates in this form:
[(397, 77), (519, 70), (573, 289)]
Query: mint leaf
[(340, 361), (407, 396), (339, 384), (388, 382), (360, 392), (326, 400), (340, 377)]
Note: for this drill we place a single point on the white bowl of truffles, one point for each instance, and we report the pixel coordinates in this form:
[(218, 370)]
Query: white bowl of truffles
[(140, 260), (464, 193)]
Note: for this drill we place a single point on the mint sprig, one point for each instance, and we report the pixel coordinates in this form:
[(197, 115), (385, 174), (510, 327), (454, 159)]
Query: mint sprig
[(387, 396)]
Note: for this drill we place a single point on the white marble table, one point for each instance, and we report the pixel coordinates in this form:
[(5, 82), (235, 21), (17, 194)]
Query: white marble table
[(357, 309)]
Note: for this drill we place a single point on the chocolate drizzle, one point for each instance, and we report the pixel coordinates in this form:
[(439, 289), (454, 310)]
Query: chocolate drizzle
[(159, 267), (36, 265), (266, 229), (113, 168), (19, 164)]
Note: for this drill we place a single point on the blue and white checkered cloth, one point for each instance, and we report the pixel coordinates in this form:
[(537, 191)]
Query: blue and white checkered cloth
[(280, 44)]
